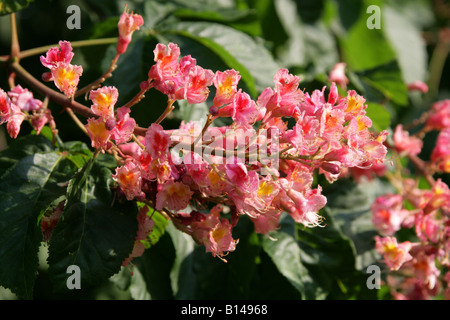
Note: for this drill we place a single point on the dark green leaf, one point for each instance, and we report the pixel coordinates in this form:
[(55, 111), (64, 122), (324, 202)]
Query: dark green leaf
[(155, 265), (96, 233), (349, 206), (21, 148), (30, 186), (387, 80), (286, 255)]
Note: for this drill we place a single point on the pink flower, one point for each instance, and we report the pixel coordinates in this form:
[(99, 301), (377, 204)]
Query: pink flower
[(243, 110), (388, 213), (215, 234), (305, 206), (428, 227), (159, 169), (128, 23), (424, 267), (196, 168), (418, 86), (23, 98), (337, 75), (440, 156), (15, 121), (284, 100), (97, 132), (266, 222), (166, 73), (40, 119), (239, 177), (5, 107), (66, 77), (124, 127), (55, 56), (440, 116), (103, 100), (210, 230), (130, 180), (438, 198), (395, 254), (157, 142), (174, 196), (196, 83), (145, 227), (405, 144), (354, 105), (226, 85)]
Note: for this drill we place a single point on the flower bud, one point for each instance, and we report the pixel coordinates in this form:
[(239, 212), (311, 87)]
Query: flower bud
[(110, 124), (331, 167), (214, 111)]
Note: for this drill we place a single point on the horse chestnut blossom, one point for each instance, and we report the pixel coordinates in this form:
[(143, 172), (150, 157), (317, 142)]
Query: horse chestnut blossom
[(440, 116), (197, 167), (103, 101), (388, 213), (65, 75), (395, 254), (128, 24), (416, 267), (337, 75), (261, 165), (405, 144), (441, 152), (19, 105)]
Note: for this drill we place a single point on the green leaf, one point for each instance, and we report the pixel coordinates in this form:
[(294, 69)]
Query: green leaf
[(407, 42), (10, 6), (286, 255), (181, 276), (364, 48), (26, 189), (21, 148), (159, 228), (236, 49), (96, 233), (349, 206), (380, 116), (155, 266), (196, 274), (387, 80), (310, 42)]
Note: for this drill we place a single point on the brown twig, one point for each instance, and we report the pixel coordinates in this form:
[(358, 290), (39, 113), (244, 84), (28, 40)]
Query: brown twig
[(57, 97)]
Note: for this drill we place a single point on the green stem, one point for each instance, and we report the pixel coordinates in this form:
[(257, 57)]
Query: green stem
[(74, 44)]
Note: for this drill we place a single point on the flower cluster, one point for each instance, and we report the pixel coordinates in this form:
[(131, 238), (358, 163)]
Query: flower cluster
[(204, 177), (19, 105), (418, 268), (199, 174)]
